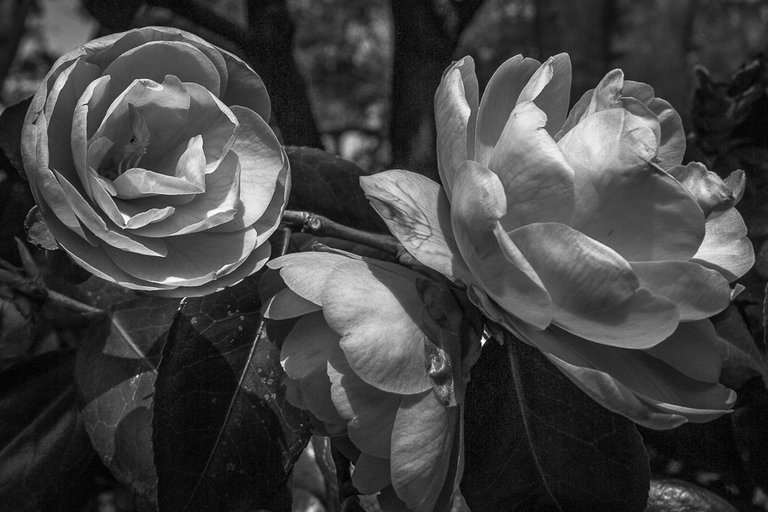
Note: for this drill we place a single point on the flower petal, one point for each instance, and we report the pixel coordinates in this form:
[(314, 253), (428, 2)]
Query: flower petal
[(378, 312), (371, 474), (594, 292), (417, 212), (502, 272), (316, 395), (306, 273), (622, 200), (422, 439), (369, 412), (287, 304), (245, 88), (455, 111), (550, 89), (537, 180), (646, 376), (710, 192), (672, 143), (261, 161), (726, 247), (499, 98), (192, 259), (697, 292), (307, 346), (692, 350)]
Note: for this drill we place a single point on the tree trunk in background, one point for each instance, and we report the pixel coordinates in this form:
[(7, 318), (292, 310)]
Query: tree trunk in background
[(13, 13), (424, 46)]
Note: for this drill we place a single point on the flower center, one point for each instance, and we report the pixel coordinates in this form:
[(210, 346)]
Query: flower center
[(130, 154)]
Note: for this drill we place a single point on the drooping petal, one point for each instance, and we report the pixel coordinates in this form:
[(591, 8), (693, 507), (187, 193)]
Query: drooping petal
[(726, 247), (624, 201), (499, 98), (377, 313), (456, 103), (537, 180), (417, 212), (710, 192), (692, 350), (697, 292), (421, 449), (503, 273), (595, 294), (646, 376), (307, 346), (672, 143)]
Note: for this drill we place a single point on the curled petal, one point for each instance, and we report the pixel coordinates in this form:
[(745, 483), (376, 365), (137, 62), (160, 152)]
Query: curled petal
[(456, 102), (710, 192), (726, 247), (307, 346)]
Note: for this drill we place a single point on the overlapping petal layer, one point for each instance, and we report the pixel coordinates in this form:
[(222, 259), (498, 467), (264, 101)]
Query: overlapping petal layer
[(357, 360), (150, 157), (581, 233)]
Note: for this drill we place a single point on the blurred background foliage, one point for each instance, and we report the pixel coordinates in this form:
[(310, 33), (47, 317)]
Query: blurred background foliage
[(357, 79)]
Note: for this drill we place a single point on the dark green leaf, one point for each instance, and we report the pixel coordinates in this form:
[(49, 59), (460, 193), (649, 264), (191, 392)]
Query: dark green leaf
[(671, 495), (11, 121), (328, 185), (43, 443), (116, 373), (224, 436), (533, 441)]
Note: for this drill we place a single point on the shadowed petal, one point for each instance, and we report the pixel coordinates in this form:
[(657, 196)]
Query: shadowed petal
[(692, 350), (307, 346), (371, 474), (595, 294), (697, 292), (503, 272), (538, 182), (499, 98), (710, 192)]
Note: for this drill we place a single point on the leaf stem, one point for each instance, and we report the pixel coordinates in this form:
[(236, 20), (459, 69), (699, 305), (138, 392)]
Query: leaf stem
[(323, 226)]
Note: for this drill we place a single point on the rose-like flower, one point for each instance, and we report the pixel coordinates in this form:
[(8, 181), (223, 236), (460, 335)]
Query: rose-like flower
[(150, 157), (582, 234), (379, 355)]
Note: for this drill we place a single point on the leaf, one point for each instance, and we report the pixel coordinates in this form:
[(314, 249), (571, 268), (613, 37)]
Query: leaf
[(671, 495), (116, 375), (11, 121), (328, 185), (741, 358), (225, 438), (533, 441), (43, 443)]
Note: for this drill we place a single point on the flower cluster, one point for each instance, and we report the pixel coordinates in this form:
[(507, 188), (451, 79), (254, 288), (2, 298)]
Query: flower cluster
[(380, 355), (581, 233), (150, 157)]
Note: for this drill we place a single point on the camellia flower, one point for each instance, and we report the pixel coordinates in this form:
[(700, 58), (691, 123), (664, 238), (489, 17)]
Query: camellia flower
[(380, 355), (582, 233), (150, 157)]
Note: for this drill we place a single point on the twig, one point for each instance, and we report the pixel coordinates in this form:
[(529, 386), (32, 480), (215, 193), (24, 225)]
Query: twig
[(323, 226)]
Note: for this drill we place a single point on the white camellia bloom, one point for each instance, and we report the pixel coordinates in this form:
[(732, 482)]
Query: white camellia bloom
[(581, 232), (380, 355), (150, 157)]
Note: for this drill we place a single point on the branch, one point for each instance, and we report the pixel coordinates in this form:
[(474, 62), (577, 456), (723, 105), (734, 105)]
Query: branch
[(323, 226)]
